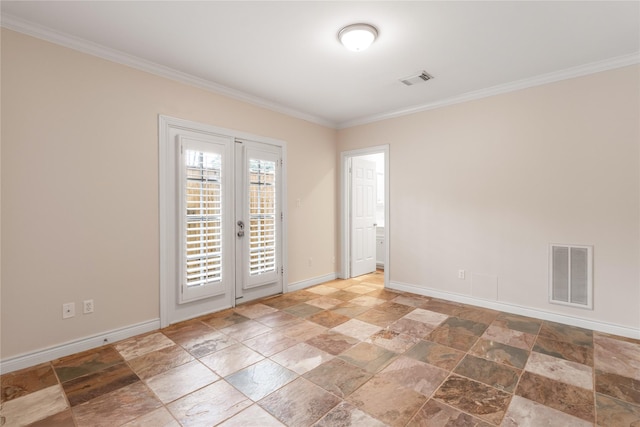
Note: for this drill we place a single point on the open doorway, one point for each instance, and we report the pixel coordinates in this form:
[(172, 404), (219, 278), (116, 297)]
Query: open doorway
[(365, 211)]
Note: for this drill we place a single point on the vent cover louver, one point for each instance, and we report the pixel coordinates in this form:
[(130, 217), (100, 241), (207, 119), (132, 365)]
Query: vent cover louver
[(571, 275), (419, 78)]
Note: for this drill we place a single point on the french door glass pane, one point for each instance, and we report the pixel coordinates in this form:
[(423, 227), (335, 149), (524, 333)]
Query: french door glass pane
[(262, 216), (203, 202)]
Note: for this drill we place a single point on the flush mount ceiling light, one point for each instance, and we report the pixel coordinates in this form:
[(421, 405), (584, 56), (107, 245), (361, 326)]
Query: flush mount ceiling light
[(357, 37)]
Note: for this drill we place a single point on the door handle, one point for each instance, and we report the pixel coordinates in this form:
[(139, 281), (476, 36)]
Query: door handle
[(241, 228), (240, 233)]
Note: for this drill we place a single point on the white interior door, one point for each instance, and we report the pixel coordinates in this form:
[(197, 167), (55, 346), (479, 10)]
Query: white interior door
[(363, 216), (259, 220)]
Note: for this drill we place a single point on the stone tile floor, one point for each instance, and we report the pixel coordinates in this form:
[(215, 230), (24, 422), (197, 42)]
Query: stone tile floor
[(344, 353)]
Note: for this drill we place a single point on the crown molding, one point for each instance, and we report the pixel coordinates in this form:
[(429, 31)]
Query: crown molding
[(568, 73), (82, 45), (22, 26)]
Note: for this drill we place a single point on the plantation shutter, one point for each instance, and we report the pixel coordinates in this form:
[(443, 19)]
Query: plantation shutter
[(262, 212), (262, 216)]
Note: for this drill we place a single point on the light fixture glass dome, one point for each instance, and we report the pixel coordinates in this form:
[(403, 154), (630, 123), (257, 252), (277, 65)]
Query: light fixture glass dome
[(357, 37)]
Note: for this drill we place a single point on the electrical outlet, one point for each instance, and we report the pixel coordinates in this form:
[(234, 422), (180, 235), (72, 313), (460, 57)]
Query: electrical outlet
[(461, 274), (87, 306), (68, 310)]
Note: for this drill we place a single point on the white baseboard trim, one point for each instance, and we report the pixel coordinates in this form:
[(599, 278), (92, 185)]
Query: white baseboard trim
[(45, 355), (518, 309), (296, 286)]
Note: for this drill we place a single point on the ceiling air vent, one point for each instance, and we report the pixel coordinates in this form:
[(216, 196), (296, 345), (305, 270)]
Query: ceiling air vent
[(419, 78)]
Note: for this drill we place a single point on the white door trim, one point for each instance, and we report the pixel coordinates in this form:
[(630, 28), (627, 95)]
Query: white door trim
[(345, 194), (166, 244)]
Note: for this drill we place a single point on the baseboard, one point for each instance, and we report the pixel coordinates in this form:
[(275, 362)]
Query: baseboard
[(45, 355), (296, 286), (518, 309)]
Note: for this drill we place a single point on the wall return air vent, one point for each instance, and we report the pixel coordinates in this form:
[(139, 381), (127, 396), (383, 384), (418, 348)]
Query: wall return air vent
[(571, 275), (418, 78)]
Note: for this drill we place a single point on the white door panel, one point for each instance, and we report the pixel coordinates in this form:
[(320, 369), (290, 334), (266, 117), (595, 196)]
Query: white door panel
[(363, 216), (205, 212), (197, 273), (258, 221)]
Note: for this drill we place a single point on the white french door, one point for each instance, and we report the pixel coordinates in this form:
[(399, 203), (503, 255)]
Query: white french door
[(221, 219), (363, 216), (205, 212), (258, 220)]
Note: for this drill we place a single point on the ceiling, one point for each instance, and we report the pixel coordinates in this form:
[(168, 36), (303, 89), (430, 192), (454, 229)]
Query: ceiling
[(286, 56)]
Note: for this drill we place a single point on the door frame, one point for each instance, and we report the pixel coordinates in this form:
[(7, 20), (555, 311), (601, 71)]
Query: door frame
[(167, 241), (345, 208)]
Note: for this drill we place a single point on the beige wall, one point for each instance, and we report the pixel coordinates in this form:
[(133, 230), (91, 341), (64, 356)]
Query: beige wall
[(483, 186), (80, 189), (487, 185)]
